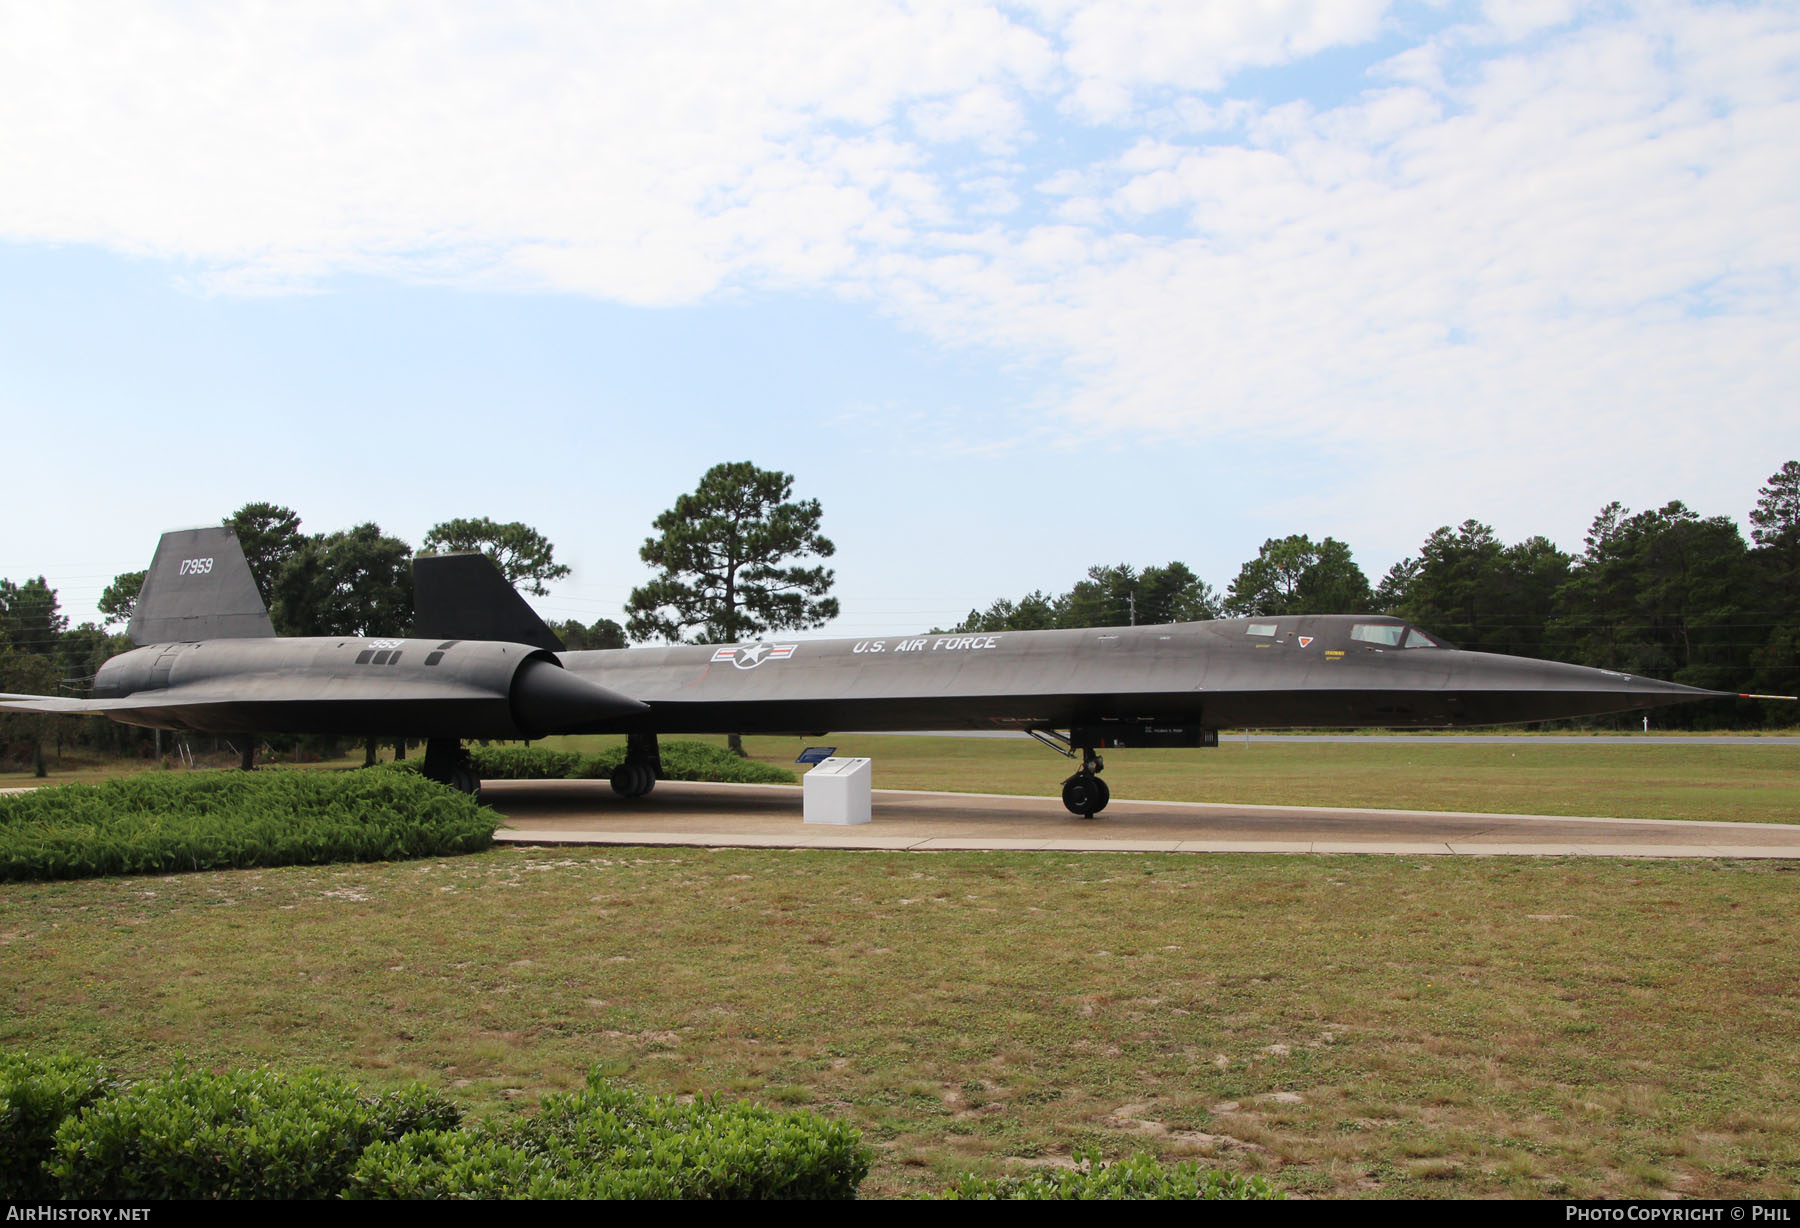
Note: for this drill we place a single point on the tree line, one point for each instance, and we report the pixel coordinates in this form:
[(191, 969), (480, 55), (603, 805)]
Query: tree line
[(1666, 593)]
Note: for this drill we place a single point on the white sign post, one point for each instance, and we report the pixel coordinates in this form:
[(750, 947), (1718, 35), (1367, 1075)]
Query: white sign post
[(837, 791)]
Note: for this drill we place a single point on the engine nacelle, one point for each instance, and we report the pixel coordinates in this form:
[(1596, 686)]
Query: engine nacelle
[(359, 687)]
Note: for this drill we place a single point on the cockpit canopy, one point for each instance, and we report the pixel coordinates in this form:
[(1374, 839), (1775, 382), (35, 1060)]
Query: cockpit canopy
[(1390, 633), (1393, 635)]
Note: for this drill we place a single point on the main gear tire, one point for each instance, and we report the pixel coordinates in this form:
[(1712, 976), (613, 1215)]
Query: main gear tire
[(633, 779), (464, 779)]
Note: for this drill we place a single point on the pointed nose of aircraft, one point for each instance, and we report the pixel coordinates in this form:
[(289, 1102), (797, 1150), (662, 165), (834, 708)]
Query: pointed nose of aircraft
[(547, 698), (1508, 690)]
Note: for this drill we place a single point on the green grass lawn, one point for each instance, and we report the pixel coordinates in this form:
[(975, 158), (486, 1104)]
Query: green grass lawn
[(1758, 784), (1345, 1025), (1738, 783)]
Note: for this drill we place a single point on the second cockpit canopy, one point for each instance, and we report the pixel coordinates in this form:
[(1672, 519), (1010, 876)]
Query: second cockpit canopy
[(1374, 634)]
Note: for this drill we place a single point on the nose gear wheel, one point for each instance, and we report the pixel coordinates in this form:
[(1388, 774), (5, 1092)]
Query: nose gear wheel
[(1084, 793)]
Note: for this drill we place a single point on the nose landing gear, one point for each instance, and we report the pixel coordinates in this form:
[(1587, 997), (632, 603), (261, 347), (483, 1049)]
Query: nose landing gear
[(1084, 793)]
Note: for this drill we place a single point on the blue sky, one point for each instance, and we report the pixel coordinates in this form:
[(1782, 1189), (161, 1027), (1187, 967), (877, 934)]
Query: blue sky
[(1011, 290)]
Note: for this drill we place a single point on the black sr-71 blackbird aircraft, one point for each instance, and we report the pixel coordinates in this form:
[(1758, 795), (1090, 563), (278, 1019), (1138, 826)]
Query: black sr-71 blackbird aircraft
[(481, 664)]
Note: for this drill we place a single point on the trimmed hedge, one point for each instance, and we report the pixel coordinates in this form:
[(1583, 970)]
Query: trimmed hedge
[(246, 1134), (70, 1132), (36, 1096), (462, 1164), (606, 1142), (157, 824), (1138, 1177), (525, 762), (680, 760), (659, 1147)]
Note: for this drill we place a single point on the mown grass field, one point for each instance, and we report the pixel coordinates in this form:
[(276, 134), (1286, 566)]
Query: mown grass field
[(1345, 1025), (1758, 784)]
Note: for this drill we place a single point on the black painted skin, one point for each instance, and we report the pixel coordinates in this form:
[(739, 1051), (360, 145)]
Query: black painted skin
[(1310, 674), (484, 666)]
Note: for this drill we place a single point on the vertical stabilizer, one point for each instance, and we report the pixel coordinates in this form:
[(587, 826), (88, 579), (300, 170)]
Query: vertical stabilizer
[(198, 588), (464, 597)]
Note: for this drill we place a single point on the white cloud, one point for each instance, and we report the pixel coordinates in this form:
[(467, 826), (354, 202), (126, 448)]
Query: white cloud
[(1502, 260), (659, 148), (1569, 272), (1512, 20), (1116, 47), (986, 115)]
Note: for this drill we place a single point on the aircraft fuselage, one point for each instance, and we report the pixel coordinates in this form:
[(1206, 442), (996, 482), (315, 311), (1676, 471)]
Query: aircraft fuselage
[(1304, 671), (1307, 671)]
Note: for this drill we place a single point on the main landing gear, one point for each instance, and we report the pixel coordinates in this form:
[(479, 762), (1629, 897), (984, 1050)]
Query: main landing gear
[(449, 764), (642, 767)]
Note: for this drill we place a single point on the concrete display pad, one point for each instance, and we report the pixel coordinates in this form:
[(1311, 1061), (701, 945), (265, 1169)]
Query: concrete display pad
[(769, 816)]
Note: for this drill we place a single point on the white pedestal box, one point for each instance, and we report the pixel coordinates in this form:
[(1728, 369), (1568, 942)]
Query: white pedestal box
[(837, 792)]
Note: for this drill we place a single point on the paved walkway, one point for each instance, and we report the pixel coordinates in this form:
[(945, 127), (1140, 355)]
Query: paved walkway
[(769, 816)]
